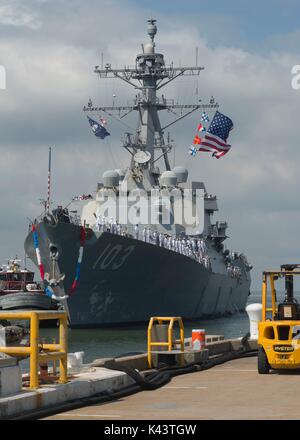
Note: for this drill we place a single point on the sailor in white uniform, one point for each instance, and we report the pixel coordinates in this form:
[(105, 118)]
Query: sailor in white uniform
[(193, 245), (136, 232), (166, 241), (183, 249), (199, 245), (161, 239), (173, 244), (148, 235), (169, 243)]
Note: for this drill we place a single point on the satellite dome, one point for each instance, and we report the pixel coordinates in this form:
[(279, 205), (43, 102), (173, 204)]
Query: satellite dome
[(181, 173), (110, 178), (148, 48), (121, 174), (168, 178)]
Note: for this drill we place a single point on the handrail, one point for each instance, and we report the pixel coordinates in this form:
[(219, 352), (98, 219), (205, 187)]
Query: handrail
[(40, 353), (170, 341)]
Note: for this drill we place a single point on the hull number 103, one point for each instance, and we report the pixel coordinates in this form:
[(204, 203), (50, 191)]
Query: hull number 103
[(113, 257)]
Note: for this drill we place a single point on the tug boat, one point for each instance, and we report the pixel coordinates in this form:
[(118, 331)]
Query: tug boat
[(18, 290)]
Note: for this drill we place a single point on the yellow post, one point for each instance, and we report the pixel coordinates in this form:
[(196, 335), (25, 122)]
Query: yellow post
[(40, 353), (149, 342), (34, 350), (272, 284), (169, 344), (170, 333), (63, 325), (54, 361), (264, 297), (181, 334)]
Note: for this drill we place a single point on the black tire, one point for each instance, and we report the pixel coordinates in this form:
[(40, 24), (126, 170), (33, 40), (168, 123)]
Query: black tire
[(263, 365), (26, 300)]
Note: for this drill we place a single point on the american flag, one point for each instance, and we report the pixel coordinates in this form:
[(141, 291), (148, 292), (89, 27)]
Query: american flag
[(215, 139)]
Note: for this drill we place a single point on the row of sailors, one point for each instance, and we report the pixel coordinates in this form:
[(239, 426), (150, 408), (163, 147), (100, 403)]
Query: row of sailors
[(193, 248), (234, 271), (172, 243), (110, 226), (231, 256)]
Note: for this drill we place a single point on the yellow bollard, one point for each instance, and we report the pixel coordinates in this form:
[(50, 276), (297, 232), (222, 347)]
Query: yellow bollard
[(63, 364), (40, 353), (171, 320), (34, 348)]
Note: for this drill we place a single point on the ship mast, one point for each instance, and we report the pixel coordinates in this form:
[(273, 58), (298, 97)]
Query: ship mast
[(149, 75)]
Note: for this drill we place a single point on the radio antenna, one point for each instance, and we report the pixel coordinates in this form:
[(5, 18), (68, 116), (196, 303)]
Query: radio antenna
[(49, 183)]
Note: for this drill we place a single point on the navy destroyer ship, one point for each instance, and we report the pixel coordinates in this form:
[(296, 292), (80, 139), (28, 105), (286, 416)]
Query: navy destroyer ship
[(123, 265)]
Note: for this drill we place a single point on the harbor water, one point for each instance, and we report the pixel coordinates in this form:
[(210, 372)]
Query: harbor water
[(111, 342)]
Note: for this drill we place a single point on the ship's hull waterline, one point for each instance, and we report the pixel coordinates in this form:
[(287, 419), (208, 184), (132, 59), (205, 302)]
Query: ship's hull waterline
[(126, 281)]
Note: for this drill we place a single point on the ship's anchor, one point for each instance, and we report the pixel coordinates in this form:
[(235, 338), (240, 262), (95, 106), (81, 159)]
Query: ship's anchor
[(51, 281)]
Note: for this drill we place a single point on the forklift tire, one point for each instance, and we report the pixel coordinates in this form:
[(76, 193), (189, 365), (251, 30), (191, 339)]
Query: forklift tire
[(262, 362)]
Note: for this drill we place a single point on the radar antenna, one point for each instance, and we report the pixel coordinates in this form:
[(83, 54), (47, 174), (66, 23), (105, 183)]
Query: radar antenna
[(149, 75)]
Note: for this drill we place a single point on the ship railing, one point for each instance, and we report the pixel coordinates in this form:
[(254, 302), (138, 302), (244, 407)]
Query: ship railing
[(16, 283), (217, 231), (75, 220), (19, 285), (160, 101), (13, 285)]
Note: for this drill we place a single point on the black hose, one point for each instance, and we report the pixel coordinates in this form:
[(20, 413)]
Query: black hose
[(150, 381), (154, 380)]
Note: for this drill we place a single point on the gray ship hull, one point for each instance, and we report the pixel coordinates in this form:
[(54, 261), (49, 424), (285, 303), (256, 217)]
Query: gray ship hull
[(125, 281)]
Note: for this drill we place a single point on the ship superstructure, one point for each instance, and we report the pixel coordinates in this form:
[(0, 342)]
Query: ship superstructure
[(150, 244)]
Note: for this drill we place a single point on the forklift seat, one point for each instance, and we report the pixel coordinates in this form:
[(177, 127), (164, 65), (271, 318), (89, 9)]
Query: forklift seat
[(288, 311)]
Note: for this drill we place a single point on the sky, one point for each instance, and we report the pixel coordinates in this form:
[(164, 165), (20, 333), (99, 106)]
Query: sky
[(49, 50)]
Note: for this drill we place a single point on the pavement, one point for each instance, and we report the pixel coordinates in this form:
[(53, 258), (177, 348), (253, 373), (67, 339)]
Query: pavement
[(233, 390), (85, 384)]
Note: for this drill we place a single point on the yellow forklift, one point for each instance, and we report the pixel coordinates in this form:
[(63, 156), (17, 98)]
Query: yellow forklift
[(279, 329)]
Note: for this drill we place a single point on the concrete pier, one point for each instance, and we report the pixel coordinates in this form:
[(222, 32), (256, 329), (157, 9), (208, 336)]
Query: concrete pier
[(97, 380), (214, 390), (233, 390)]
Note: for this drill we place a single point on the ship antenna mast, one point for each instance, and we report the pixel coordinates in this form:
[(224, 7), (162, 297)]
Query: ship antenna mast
[(149, 75), (49, 183)]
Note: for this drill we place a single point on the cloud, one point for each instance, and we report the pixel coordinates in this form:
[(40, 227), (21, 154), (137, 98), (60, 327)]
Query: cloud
[(15, 13), (49, 53)]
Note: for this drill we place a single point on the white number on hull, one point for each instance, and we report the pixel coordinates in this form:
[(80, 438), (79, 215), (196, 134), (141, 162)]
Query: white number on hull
[(113, 257)]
